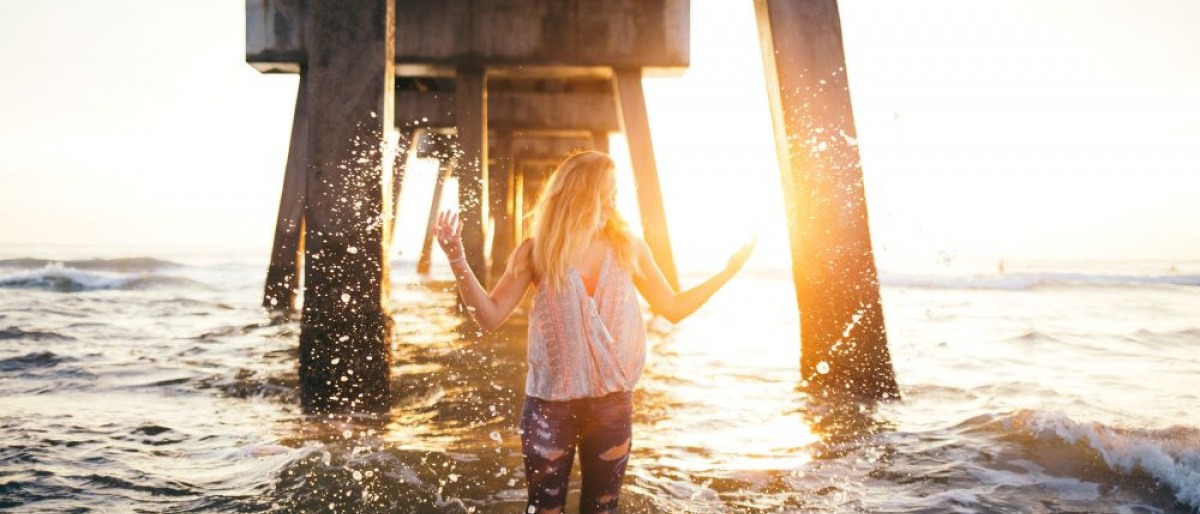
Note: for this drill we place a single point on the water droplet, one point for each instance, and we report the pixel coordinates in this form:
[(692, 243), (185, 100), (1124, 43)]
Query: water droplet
[(822, 367), (495, 436), (352, 249), (357, 475), (346, 434), (345, 298), (335, 360), (343, 339)]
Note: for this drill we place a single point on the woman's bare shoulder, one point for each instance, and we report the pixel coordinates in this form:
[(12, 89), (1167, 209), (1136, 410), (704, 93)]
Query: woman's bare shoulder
[(525, 248), (522, 258)]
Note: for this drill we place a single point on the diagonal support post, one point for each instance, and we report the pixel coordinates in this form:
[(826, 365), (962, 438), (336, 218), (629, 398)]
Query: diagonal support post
[(843, 342)]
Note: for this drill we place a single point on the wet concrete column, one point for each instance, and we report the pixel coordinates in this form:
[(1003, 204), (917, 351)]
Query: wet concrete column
[(843, 342), (470, 104), (283, 275), (346, 329), (500, 198), (631, 106)]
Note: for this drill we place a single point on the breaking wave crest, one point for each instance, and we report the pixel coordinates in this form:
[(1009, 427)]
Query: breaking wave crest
[(1169, 457), (57, 277)]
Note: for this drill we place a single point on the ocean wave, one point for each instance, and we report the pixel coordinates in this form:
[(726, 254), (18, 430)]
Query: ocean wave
[(31, 361), (1170, 457), (14, 332), (57, 277), (1025, 281), (121, 264)]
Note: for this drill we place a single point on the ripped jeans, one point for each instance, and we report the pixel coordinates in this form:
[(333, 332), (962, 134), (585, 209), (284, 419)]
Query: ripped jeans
[(550, 433)]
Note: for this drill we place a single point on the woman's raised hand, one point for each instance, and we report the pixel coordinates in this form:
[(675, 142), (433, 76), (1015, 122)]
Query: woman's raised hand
[(743, 253), (449, 234)]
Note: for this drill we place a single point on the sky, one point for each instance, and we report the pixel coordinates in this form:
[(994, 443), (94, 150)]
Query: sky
[(1013, 129)]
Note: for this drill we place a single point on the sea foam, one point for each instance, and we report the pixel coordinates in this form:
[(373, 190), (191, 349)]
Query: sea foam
[(1170, 455), (57, 277)]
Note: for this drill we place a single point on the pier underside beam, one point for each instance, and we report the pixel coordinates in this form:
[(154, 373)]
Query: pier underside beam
[(631, 105), (843, 341), (346, 328), (287, 252)]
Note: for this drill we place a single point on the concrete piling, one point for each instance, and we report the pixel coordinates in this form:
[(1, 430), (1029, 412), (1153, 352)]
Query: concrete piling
[(500, 203), (631, 104), (407, 139), (472, 170), (843, 341), (445, 171), (346, 327), (287, 254)]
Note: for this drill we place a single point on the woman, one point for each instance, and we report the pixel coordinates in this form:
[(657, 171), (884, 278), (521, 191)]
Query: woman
[(586, 335)]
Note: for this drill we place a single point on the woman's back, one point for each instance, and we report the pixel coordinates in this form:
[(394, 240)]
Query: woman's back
[(585, 344)]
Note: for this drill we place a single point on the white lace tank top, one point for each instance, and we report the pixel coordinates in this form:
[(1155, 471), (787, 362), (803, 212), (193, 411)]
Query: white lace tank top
[(580, 346)]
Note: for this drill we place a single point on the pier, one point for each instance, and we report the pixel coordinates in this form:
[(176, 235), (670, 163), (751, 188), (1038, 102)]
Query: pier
[(498, 92)]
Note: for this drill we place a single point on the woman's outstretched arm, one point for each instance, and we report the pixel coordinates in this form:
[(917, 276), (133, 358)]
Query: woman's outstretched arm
[(489, 310), (675, 306)]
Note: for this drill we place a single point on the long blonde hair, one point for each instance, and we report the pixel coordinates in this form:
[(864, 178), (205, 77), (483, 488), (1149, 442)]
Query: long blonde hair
[(568, 212)]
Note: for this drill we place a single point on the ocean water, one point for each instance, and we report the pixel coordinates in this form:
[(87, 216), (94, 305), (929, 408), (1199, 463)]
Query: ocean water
[(152, 382)]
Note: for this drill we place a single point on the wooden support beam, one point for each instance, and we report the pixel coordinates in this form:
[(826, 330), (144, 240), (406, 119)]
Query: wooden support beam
[(631, 105), (500, 196), (472, 170), (843, 342), (424, 262), (346, 327), (287, 251)]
